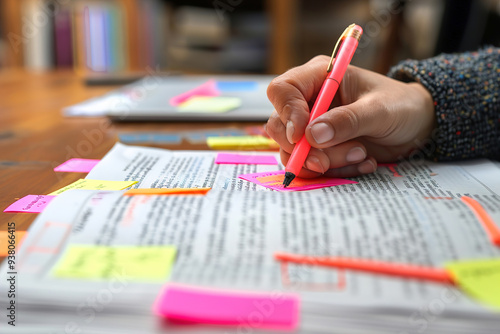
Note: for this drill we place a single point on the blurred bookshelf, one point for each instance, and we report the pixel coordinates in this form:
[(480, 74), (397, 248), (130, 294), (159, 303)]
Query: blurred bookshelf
[(223, 36)]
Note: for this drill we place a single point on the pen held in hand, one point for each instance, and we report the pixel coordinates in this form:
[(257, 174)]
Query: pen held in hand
[(335, 72)]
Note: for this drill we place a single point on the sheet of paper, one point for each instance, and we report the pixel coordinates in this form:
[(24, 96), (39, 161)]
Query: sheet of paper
[(159, 168), (479, 278), (226, 307), (30, 204), (103, 262), (209, 88), (5, 241), (205, 104), (227, 240), (245, 159), (77, 165), (243, 143), (274, 180), (92, 184)]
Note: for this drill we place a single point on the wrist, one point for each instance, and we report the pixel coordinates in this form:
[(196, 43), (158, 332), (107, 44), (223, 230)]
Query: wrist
[(426, 109)]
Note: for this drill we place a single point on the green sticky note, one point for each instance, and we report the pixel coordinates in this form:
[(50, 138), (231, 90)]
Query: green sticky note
[(210, 104), (479, 279), (95, 185), (151, 263)]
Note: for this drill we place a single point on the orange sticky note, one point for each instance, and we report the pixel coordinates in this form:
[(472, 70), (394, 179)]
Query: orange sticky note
[(167, 191), (4, 241)]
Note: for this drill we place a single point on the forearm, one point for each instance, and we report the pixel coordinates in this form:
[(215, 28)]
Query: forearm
[(466, 93)]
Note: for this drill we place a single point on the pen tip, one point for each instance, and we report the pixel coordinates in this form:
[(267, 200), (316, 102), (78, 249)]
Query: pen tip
[(288, 179)]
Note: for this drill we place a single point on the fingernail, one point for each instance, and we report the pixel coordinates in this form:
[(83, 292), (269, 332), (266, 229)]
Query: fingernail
[(366, 167), (312, 163), (290, 129), (355, 154), (322, 132)]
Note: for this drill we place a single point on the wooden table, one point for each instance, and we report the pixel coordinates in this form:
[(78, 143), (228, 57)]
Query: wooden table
[(35, 137)]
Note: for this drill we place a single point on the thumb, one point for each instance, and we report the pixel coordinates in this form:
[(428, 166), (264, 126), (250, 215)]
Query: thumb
[(364, 117)]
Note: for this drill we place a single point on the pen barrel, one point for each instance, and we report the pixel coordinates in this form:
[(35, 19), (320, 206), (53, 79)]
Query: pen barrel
[(324, 100), (343, 58)]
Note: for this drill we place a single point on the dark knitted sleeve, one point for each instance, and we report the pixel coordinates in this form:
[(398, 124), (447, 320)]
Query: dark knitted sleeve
[(466, 92)]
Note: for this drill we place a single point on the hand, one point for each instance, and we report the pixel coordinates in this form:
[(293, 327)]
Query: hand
[(373, 118)]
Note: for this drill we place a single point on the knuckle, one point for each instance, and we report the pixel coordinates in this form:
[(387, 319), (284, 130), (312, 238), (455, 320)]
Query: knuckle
[(275, 87), (320, 59), (273, 126)]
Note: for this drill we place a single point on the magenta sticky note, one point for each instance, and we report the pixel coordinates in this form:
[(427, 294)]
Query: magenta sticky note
[(274, 180), (30, 203), (77, 165), (272, 310), (245, 159), (209, 88)]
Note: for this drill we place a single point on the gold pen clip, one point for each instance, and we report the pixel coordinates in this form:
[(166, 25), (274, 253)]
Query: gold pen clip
[(341, 38)]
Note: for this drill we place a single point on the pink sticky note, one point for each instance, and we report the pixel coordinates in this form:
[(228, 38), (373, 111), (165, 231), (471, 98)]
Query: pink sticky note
[(30, 203), (77, 165), (209, 88), (242, 159), (274, 180), (271, 310)]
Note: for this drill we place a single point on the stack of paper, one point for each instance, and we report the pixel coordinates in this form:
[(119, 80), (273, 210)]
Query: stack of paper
[(102, 262)]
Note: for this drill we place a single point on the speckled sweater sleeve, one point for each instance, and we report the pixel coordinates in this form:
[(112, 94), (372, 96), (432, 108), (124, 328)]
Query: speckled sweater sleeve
[(466, 92)]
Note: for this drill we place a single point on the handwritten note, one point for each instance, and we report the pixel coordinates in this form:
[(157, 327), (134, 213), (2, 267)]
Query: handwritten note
[(209, 88), (5, 240), (278, 311), (210, 104), (274, 180), (30, 204), (104, 262), (95, 185), (242, 159), (241, 143), (167, 191), (77, 165), (480, 279)]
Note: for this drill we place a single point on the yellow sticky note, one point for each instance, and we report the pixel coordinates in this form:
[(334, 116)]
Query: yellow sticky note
[(149, 263), (10, 238), (241, 143), (95, 185), (210, 104), (479, 279)]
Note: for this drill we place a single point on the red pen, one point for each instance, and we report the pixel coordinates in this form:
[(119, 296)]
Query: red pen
[(335, 72)]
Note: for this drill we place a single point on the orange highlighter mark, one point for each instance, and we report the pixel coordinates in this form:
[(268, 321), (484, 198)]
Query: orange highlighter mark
[(374, 267), (392, 168), (167, 191), (484, 218), (277, 180)]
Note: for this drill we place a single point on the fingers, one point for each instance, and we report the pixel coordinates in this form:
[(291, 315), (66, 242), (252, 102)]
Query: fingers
[(340, 124), (276, 130), (349, 158), (291, 92), (369, 165)]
